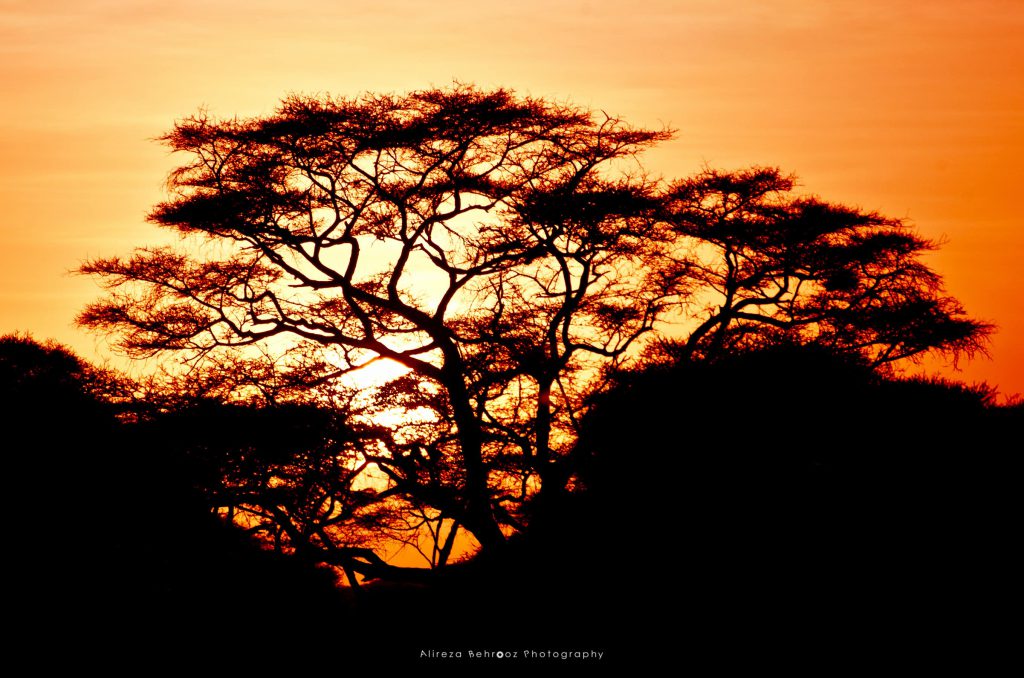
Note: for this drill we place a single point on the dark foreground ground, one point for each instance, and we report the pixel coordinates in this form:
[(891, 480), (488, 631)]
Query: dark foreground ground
[(782, 512)]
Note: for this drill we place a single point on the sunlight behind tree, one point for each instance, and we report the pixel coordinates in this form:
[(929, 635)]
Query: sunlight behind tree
[(444, 277)]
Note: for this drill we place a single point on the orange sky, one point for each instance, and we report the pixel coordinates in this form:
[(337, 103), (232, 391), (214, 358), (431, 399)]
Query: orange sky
[(912, 108)]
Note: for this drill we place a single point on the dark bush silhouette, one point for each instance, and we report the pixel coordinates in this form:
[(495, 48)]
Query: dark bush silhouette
[(818, 507), (111, 548), (56, 432)]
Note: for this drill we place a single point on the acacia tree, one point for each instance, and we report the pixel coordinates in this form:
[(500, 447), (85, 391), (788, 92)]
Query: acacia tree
[(773, 266), (492, 246), (502, 251)]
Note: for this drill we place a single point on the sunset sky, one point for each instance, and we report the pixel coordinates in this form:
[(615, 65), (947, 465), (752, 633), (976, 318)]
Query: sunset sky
[(914, 109)]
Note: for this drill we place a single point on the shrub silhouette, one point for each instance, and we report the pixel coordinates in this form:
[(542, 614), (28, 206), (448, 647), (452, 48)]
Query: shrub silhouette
[(112, 548), (814, 502)]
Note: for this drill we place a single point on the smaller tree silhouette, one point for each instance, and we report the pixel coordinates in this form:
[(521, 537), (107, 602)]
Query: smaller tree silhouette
[(769, 265)]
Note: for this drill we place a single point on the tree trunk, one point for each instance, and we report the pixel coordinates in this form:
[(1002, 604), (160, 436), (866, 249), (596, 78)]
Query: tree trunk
[(479, 516), (553, 475)]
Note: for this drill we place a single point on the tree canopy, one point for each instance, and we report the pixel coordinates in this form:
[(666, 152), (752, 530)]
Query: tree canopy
[(777, 266), (502, 251)]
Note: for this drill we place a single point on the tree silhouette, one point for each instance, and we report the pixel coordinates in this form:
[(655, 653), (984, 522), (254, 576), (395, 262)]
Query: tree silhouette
[(773, 266), (494, 247), (501, 251)]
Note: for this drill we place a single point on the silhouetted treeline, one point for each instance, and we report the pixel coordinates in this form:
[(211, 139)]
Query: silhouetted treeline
[(783, 505)]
